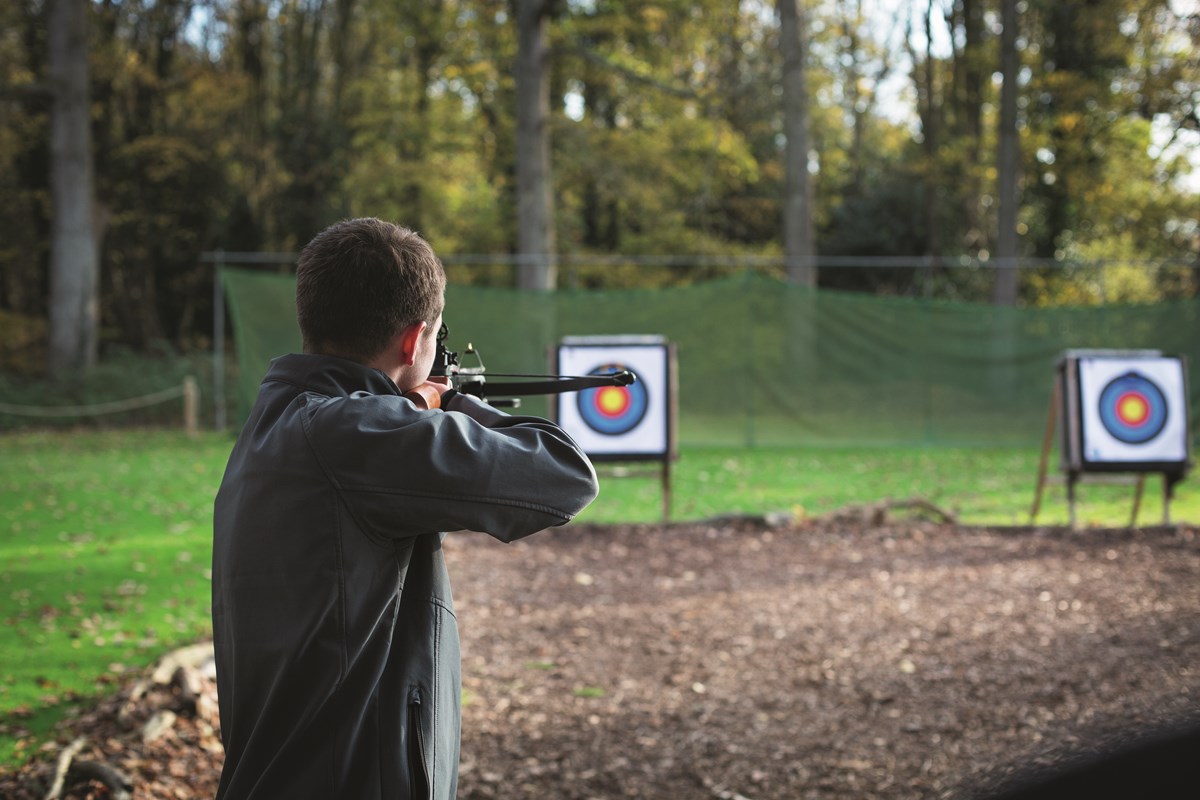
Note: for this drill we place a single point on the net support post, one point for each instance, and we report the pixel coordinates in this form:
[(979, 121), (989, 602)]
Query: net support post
[(191, 405), (218, 343)]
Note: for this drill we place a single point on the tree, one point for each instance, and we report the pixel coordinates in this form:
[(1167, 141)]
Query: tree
[(432, 123), (971, 66), (250, 124), (24, 180), (653, 156), (164, 122), (1007, 163), (928, 84), (799, 247), (535, 215), (871, 183), (74, 265), (1084, 50), (862, 65)]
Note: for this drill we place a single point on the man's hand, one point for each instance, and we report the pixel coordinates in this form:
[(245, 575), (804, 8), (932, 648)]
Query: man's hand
[(428, 395)]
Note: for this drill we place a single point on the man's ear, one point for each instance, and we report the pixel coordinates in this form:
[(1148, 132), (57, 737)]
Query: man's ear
[(409, 338)]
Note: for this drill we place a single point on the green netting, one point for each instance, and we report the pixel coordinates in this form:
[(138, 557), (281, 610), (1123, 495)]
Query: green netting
[(765, 363)]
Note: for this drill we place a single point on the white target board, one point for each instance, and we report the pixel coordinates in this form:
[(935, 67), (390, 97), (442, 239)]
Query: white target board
[(619, 422), (1133, 411)]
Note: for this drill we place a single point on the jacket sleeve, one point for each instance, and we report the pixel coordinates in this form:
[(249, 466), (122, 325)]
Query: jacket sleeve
[(404, 471)]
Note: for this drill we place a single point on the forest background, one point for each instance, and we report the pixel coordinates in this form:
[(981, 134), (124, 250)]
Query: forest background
[(249, 125)]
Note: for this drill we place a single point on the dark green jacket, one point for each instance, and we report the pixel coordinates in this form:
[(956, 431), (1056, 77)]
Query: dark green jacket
[(336, 642)]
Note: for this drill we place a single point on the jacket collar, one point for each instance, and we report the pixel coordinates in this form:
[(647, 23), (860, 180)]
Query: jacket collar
[(329, 375)]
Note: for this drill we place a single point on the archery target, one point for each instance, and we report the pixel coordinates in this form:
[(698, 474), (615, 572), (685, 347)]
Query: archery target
[(614, 410), (1133, 410), (617, 421)]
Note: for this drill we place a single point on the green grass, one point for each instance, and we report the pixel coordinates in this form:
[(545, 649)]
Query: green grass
[(980, 486), (105, 537), (105, 549)]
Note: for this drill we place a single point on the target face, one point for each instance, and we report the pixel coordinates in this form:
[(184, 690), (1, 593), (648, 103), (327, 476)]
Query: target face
[(1134, 410), (614, 410), (618, 421)]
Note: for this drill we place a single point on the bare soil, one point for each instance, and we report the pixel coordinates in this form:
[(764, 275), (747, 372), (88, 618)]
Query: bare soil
[(732, 659)]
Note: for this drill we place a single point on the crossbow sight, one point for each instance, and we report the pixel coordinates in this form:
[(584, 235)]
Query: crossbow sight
[(472, 380)]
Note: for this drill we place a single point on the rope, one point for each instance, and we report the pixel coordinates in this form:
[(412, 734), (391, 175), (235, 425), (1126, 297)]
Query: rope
[(113, 407)]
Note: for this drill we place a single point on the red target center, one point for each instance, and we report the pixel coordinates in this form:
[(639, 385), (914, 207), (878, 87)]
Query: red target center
[(1133, 408), (612, 401)]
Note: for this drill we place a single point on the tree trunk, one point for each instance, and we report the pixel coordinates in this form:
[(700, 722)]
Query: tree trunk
[(799, 248), (930, 130), (969, 117), (855, 107), (74, 263), (798, 245), (1007, 162), (535, 220)]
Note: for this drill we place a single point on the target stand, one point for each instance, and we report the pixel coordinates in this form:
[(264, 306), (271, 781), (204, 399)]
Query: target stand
[(1122, 411), (635, 423)]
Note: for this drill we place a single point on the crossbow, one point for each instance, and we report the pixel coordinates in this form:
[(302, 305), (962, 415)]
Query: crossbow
[(472, 379)]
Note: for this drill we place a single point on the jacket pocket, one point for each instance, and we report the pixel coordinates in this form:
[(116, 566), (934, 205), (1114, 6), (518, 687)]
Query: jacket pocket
[(418, 770)]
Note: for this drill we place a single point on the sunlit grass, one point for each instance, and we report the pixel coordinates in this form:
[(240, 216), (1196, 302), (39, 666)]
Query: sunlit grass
[(978, 486), (105, 549)]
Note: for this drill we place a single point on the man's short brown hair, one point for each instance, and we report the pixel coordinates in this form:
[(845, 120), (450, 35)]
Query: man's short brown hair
[(360, 282)]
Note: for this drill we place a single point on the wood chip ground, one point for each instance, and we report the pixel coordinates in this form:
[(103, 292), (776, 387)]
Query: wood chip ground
[(829, 659)]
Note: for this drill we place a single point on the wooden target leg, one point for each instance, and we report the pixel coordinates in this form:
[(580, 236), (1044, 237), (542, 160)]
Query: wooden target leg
[(666, 489), (1071, 500), (1168, 490), (1137, 499), (1047, 441)]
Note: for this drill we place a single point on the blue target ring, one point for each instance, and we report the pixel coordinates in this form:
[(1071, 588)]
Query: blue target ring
[(613, 410), (1133, 409)]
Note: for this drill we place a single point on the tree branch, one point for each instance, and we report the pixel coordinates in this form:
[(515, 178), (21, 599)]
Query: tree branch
[(37, 89), (591, 55)]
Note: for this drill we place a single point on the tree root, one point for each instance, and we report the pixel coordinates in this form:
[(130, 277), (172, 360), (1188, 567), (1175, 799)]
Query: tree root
[(64, 765), (880, 513), (176, 686), (69, 771)]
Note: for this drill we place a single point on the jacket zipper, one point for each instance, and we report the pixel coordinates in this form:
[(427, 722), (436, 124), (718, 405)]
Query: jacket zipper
[(418, 773)]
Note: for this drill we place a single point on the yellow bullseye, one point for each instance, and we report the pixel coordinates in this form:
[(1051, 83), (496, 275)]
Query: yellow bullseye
[(612, 400), (1133, 409)]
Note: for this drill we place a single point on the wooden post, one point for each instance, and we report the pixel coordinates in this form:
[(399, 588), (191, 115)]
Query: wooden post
[(219, 343), (672, 426), (1047, 440), (1168, 490), (1071, 480), (191, 402), (666, 488), (1137, 499)]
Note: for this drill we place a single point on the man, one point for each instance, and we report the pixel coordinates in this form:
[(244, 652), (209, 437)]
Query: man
[(336, 641)]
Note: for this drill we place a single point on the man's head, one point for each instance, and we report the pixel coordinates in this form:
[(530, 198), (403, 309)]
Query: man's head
[(360, 283)]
